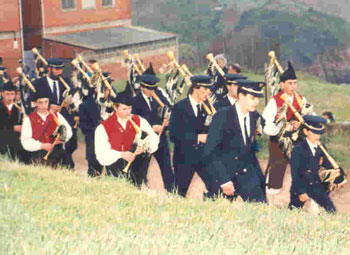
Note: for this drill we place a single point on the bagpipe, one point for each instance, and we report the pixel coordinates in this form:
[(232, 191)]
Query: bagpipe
[(272, 69), (141, 140), (334, 178)]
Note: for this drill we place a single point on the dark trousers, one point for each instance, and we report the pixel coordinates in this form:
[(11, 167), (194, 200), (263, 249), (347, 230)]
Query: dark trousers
[(162, 156), (276, 167), (70, 147), (184, 174), (320, 196), (94, 167), (137, 172), (56, 157)]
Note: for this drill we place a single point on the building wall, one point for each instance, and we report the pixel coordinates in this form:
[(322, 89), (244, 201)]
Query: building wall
[(113, 61), (57, 20), (9, 33), (32, 23)]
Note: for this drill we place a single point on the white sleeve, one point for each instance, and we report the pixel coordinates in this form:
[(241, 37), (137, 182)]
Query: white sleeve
[(64, 122), (28, 142), (269, 115), (105, 155), (154, 138)]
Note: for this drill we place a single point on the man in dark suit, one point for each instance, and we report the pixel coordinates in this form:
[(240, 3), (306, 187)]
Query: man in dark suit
[(147, 107), (89, 119), (231, 165), (189, 133), (232, 86), (306, 160), (52, 83), (10, 123)]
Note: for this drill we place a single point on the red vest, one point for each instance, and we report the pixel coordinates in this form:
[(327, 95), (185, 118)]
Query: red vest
[(280, 102), (42, 130), (120, 139)]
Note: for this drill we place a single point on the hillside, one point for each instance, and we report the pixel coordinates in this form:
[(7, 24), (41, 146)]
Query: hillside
[(56, 212)]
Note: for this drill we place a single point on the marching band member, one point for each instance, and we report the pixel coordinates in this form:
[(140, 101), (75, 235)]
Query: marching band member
[(189, 133), (306, 160), (232, 86), (148, 108), (278, 161), (10, 123), (114, 139), (44, 132), (89, 119), (231, 164)]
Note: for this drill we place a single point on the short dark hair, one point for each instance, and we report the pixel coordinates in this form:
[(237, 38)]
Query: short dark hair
[(240, 90), (92, 61), (235, 67), (190, 91)]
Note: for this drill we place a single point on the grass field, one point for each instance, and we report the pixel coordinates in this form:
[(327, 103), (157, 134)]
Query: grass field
[(57, 212)]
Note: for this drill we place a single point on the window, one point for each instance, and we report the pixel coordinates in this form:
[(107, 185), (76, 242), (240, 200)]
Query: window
[(88, 4), (68, 4), (107, 3)]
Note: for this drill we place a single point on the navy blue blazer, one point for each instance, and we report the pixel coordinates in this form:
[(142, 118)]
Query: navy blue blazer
[(184, 130), (304, 167), (140, 107), (225, 154), (224, 102), (43, 84)]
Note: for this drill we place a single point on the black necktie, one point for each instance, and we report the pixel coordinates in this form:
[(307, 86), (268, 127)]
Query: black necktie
[(150, 102), (246, 131), (198, 110), (55, 98), (315, 151)]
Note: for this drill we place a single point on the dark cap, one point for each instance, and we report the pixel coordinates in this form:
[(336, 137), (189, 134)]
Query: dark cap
[(149, 81), (123, 98), (202, 80), (288, 74), (315, 123), (41, 93), (254, 88), (8, 86), (232, 78), (55, 63)]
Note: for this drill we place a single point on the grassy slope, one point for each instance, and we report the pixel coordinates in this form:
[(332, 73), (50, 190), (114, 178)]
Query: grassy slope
[(57, 212)]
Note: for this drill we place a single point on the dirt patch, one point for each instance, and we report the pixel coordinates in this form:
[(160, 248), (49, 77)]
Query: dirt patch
[(341, 198)]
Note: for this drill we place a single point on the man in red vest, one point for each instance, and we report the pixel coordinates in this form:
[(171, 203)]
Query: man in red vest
[(120, 142), (40, 132), (278, 161)]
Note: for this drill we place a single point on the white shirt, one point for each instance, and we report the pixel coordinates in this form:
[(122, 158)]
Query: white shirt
[(312, 146), (194, 104), (106, 156), (53, 83), (241, 117), (29, 143), (269, 115), (231, 99)]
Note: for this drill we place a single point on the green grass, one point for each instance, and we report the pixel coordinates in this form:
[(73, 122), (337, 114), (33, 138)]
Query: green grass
[(57, 212)]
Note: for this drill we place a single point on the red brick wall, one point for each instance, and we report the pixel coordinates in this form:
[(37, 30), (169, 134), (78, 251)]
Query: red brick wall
[(9, 15), (53, 49), (10, 21), (10, 56), (54, 15)]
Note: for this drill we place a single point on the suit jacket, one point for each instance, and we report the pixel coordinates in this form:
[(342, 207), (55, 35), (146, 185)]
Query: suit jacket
[(224, 102), (7, 122), (140, 107), (304, 167), (225, 154), (43, 84), (184, 130)]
